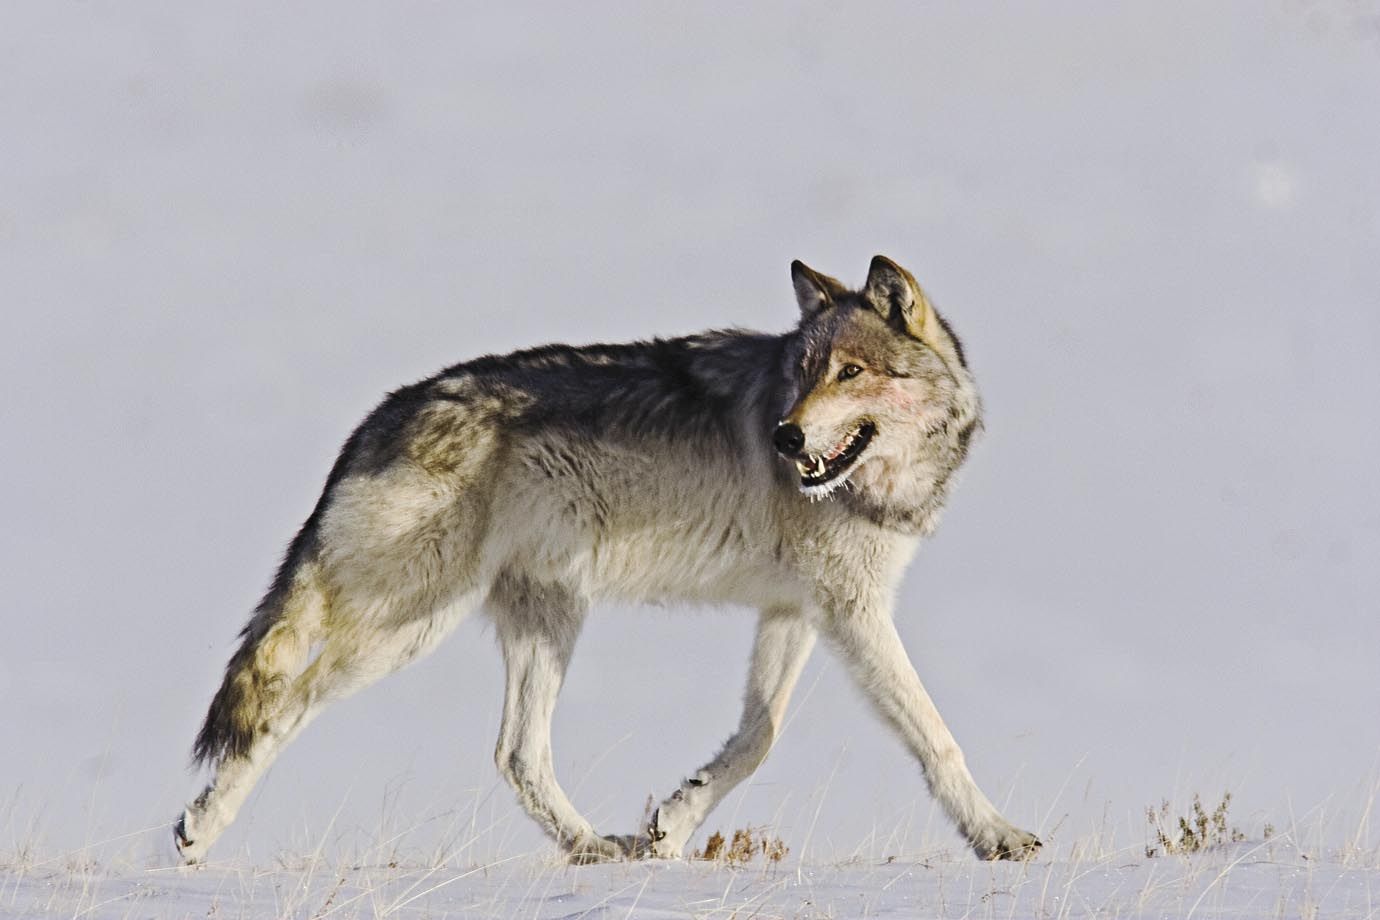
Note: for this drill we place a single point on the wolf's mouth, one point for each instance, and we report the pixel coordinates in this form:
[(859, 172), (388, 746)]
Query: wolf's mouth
[(822, 473)]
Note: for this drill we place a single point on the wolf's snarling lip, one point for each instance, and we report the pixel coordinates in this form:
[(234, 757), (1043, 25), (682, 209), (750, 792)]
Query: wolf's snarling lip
[(824, 469)]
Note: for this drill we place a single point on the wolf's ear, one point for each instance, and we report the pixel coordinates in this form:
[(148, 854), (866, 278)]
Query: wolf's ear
[(813, 291), (894, 293)]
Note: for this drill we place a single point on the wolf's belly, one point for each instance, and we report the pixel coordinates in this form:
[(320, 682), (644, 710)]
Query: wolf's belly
[(722, 563)]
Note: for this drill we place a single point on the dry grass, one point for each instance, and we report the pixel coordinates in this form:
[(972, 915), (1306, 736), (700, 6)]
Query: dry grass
[(1193, 833), (747, 843)]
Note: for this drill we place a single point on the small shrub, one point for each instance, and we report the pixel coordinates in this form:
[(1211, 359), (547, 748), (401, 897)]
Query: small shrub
[(740, 850), (1198, 831), (746, 844), (713, 847), (774, 850)]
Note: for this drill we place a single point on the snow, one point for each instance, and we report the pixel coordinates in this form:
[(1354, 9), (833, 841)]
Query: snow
[(1261, 879)]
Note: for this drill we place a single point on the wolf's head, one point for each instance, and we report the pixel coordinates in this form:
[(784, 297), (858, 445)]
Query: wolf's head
[(877, 392)]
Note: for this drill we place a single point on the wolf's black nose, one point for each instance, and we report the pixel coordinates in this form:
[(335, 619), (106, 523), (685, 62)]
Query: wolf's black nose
[(788, 439)]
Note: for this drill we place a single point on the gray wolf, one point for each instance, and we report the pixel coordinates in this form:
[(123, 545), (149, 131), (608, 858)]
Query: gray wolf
[(793, 473)]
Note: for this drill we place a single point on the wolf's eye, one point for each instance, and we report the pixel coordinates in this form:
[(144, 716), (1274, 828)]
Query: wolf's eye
[(849, 371)]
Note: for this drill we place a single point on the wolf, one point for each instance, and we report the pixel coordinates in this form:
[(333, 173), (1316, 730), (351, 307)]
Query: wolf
[(792, 473)]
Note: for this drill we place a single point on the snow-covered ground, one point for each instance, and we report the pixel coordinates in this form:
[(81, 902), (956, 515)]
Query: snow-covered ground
[(461, 862), (1244, 880)]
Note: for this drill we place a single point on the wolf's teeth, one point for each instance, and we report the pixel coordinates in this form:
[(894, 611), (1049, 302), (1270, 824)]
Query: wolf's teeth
[(819, 466)]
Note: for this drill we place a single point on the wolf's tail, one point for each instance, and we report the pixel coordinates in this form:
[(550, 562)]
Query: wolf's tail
[(274, 647)]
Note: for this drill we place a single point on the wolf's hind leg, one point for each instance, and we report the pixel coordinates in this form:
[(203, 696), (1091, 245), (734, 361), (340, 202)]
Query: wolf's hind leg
[(783, 643), (235, 774), (347, 662), (537, 626)]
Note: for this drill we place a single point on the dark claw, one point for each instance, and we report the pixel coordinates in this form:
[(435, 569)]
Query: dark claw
[(180, 834), (654, 832), (1027, 851)]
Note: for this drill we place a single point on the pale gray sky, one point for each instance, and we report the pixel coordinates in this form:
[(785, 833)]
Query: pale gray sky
[(225, 234)]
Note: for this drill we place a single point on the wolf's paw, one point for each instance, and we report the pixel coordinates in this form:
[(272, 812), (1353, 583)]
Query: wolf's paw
[(588, 851), (1005, 841), (189, 849), (663, 840), (672, 824), (634, 846)]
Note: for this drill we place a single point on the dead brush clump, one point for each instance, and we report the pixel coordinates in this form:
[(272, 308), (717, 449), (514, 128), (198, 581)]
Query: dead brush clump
[(1193, 833), (747, 843)]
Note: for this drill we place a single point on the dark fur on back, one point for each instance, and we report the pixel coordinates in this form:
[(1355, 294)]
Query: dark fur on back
[(675, 388)]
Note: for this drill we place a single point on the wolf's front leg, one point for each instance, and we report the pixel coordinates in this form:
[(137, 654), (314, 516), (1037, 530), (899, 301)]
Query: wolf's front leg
[(784, 640), (872, 649)]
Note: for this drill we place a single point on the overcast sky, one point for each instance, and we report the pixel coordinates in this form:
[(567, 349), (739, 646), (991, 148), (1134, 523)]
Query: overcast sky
[(225, 234)]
